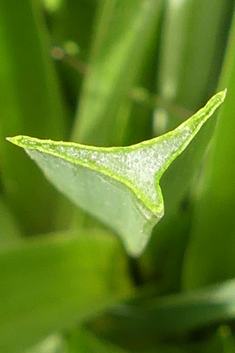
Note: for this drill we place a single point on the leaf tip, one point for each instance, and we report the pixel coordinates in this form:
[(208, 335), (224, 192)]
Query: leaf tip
[(14, 140), (19, 140), (223, 94)]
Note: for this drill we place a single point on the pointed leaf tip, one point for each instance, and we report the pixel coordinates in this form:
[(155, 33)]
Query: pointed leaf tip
[(14, 140), (224, 93), (221, 95)]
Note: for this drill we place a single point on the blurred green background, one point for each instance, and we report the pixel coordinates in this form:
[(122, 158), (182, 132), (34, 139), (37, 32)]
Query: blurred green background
[(113, 73)]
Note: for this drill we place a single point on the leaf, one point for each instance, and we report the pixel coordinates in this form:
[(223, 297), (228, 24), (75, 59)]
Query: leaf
[(210, 256), (72, 23), (52, 344), (198, 41), (119, 185), (51, 283), (9, 230), (184, 80), (221, 342), (173, 314), (82, 341), (122, 28), (30, 102)]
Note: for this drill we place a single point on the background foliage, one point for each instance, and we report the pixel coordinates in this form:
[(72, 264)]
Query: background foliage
[(108, 73)]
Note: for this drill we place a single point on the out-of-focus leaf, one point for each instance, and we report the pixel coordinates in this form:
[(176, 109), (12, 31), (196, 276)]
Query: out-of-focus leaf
[(162, 260), (122, 29), (222, 341), (52, 5), (119, 185), (30, 102), (52, 283), (211, 253), (9, 229), (169, 315), (71, 26), (191, 50), (82, 341), (123, 33), (52, 344), (193, 41)]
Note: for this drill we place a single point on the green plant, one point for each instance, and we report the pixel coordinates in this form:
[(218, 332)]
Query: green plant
[(67, 283)]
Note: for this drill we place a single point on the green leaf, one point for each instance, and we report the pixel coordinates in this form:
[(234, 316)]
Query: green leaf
[(82, 341), (53, 282), (9, 229), (52, 344), (122, 28), (221, 342), (30, 102), (210, 257), (72, 23), (198, 41), (173, 314), (119, 185), (195, 31)]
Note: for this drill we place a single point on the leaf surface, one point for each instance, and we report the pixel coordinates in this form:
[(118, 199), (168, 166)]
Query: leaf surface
[(9, 230), (123, 28), (185, 80), (84, 341), (119, 185), (31, 102), (210, 254), (172, 314), (51, 283)]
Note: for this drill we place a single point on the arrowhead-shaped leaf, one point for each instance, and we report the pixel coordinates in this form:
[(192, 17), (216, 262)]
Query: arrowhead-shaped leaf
[(118, 185)]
